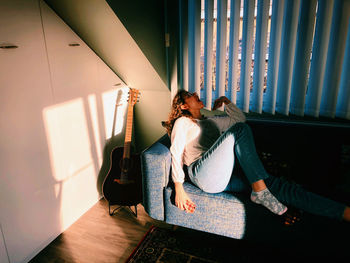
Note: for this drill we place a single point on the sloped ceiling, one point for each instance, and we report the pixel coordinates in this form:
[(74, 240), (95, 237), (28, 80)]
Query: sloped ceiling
[(144, 21)]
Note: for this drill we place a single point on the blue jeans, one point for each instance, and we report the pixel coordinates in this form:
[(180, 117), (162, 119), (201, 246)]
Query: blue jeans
[(213, 173)]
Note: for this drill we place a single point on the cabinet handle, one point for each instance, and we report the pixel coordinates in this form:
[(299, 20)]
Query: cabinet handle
[(74, 45), (8, 46)]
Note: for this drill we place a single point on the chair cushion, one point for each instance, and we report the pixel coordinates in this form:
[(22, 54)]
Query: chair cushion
[(222, 213)]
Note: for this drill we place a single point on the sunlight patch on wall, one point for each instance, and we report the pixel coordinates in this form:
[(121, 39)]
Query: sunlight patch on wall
[(114, 108), (77, 195), (96, 131), (68, 138), (72, 164)]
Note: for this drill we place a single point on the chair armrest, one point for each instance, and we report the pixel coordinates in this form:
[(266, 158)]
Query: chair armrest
[(155, 167)]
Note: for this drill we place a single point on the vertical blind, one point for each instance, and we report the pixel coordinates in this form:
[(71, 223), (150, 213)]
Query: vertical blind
[(284, 56)]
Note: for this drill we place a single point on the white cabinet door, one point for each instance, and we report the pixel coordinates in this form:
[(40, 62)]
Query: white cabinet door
[(72, 63), (78, 73), (24, 164), (24, 78)]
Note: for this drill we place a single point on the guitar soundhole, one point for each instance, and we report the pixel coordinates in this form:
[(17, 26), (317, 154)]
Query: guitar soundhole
[(124, 164)]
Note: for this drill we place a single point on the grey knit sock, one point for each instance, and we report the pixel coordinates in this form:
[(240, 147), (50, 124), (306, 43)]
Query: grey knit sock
[(265, 198)]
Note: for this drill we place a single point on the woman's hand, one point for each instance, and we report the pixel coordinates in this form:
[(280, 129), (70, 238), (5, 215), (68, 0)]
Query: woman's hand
[(182, 200), (218, 102)]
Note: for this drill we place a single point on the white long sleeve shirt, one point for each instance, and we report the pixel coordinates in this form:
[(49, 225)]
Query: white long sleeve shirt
[(191, 138)]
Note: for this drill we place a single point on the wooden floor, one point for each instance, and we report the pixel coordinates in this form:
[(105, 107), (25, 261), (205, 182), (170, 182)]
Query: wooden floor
[(99, 237)]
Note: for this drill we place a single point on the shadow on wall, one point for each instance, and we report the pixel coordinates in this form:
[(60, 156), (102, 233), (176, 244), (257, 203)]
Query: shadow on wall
[(76, 133)]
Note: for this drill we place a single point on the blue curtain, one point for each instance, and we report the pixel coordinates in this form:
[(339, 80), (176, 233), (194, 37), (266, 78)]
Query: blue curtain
[(289, 56)]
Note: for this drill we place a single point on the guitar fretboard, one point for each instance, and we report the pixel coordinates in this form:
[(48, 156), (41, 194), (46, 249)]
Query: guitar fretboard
[(128, 131)]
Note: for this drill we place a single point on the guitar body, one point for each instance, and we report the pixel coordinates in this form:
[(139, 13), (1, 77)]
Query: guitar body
[(123, 193)]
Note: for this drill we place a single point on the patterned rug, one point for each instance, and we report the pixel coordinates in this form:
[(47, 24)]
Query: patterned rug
[(162, 245), (186, 245)]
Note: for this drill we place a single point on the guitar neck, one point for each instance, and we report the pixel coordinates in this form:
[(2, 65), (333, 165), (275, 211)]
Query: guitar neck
[(126, 161), (128, 131)]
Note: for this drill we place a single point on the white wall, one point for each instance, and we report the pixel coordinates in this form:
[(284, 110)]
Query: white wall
[(55, 113)]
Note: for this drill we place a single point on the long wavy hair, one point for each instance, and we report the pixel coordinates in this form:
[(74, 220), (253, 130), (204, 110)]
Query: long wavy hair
[(176, 111)]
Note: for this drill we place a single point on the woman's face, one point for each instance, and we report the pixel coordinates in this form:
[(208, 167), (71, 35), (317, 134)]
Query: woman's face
[(193, 102)]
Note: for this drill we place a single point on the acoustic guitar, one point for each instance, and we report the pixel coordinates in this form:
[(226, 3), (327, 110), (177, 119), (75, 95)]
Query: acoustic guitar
[(123, 184)]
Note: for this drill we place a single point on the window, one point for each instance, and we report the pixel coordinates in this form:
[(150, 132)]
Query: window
[(258, 54)]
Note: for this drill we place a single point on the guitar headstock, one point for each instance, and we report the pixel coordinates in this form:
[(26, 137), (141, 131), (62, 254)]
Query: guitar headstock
[(134, 95)]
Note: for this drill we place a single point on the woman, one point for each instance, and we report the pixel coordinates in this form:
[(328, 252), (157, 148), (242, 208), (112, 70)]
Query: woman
[(206, 146)]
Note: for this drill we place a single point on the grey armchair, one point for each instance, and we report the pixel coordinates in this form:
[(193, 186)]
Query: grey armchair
[(226, 214)]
